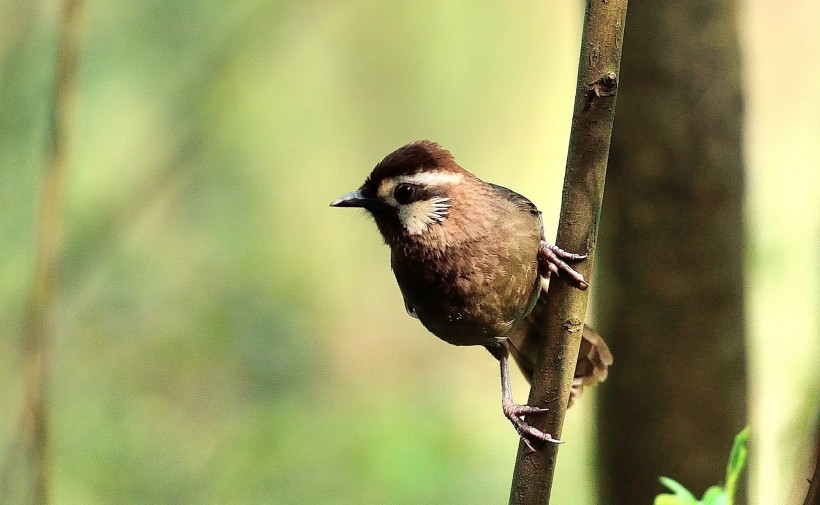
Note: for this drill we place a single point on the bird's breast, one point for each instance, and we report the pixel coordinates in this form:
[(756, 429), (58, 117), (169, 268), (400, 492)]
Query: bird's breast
[(472, 294)]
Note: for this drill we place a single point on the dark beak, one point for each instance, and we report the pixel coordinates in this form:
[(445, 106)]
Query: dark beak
[(352, 199)]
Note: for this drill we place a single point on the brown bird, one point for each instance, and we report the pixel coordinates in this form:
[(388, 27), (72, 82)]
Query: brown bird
[(472, 264)]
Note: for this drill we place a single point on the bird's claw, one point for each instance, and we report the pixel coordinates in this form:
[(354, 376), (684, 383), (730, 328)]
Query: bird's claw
[(554, 260), (528, 433)]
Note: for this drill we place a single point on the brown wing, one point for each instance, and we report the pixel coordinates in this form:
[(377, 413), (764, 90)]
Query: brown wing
[(522, 202), (594, 357)]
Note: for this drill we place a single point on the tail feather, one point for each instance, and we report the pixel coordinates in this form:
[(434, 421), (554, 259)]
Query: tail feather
[(594, 357)]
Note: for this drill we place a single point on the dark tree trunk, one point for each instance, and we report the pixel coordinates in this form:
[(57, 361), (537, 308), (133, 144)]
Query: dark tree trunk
[(670, 286)]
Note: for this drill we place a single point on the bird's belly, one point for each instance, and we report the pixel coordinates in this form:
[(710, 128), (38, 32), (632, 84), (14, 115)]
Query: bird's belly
[(471, 308), (458, 330)]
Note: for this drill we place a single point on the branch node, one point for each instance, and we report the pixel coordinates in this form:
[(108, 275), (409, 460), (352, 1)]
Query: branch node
[(604, 86), (572, 325)]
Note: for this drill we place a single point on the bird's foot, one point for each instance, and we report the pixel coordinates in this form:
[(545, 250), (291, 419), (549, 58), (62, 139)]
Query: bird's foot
[(554, 260), (529, 434)]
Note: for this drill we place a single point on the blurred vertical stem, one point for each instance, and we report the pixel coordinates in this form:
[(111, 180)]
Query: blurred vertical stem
[(40, 326), (592, 121), (813, 494)]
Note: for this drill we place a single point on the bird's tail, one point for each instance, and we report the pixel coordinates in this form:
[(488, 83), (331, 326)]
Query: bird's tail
[(594, 357)]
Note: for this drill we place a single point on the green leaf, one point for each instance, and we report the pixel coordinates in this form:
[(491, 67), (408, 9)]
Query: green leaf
[(682, 495), (737, 460), (670, 499), (715, 495)]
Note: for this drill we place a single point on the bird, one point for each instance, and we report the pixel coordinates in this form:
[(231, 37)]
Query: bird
[(473, 266)]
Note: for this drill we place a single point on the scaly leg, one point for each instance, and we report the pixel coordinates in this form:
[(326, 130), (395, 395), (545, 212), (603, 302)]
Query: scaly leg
[(513, 411)]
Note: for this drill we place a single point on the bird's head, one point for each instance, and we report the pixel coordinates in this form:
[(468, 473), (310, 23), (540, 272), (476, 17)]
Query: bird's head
[(411, 191)]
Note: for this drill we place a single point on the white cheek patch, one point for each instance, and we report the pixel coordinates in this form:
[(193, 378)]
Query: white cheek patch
[(417, 216)]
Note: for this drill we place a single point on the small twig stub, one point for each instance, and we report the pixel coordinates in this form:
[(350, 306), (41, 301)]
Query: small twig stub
[(605, 86)]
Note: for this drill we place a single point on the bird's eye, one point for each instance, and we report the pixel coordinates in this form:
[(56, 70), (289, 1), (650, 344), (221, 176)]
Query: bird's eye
[(404, 193)]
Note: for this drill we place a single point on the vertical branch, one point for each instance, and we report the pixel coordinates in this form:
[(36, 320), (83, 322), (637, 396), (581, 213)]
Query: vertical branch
[(39, 327), (592, 121)]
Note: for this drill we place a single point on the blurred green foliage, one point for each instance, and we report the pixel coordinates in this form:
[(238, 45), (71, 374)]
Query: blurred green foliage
[(715, 495), (225, 337)]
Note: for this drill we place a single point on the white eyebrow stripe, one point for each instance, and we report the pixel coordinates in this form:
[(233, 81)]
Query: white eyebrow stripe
[(386, 187), (430, 178)]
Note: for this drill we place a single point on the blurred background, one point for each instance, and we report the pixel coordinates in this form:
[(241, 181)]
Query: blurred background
[(223, 336)]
